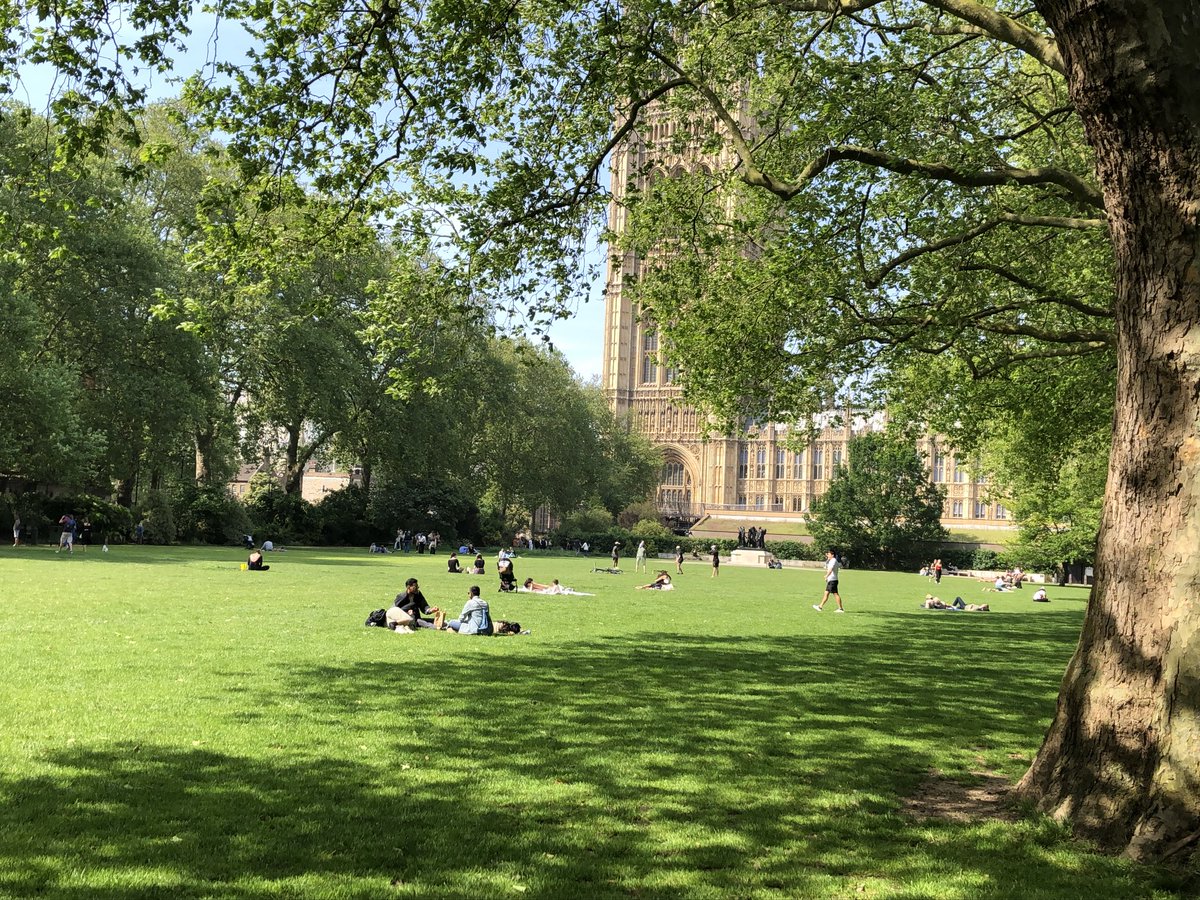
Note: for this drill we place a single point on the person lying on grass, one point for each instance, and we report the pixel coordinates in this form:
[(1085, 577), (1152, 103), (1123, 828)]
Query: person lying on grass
[(475, 617), (932, 602), (661, 582), (532, 587)]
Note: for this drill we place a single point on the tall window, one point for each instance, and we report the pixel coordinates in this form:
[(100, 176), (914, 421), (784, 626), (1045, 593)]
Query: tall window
[(780, 463), (777, 503), (672, 473), (956, 509), (649, 355), (797, 504), (837, 457), (960, 472), (760, 464), (1001, 511), (939, 468), (741, 501), (818, 461), (743, 463), (980, 509), (759, 502)]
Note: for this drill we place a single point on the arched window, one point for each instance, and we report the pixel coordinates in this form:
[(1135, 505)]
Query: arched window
[(672, 473), (649, 356)]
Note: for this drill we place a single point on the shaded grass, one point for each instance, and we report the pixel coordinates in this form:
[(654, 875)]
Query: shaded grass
[(173, 726)]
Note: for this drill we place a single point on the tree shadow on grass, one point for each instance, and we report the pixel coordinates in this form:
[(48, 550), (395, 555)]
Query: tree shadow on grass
[(647, 765)]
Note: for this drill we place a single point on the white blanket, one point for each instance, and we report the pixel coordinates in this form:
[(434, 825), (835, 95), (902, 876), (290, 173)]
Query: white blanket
[(558, 591)]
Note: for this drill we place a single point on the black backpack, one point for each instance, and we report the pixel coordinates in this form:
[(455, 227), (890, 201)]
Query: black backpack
[(377, 619)]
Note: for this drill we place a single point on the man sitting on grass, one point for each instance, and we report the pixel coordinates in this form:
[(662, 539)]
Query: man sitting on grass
[(475, 617), (406, 613)]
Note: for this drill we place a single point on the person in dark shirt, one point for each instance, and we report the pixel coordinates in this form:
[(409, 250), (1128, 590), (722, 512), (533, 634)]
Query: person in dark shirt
[(255, 562), (412, 603), (508, 577), (453, 566)]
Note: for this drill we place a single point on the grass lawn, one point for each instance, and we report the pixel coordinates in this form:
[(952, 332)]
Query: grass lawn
[(173, 727)]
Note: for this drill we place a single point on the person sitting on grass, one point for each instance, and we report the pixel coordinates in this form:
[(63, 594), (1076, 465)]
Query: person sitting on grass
[(661, 582), (255, 562), (508, 578), (1039, 596), (453, 566), (409, 606), (477, 568), (475, 617)]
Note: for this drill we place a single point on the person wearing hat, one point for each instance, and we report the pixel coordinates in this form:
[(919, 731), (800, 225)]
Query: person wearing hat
[(716, 561)]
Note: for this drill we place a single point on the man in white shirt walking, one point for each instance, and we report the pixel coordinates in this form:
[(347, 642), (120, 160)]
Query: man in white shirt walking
[(832, 567)]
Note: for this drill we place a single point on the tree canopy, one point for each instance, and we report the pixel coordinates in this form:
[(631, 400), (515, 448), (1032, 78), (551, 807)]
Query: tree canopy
[(880, 510)]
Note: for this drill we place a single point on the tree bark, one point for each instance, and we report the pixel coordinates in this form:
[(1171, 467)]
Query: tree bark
[(294, 468), (1122, 758)]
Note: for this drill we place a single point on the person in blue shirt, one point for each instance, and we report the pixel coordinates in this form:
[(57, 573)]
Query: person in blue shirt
[(475, 617)]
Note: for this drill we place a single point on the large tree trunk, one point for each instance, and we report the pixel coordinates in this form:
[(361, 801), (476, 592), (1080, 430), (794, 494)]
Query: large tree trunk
[(1122, 758)]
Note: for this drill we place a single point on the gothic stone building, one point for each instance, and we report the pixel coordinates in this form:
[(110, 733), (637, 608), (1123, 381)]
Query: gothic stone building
[(754, 476)]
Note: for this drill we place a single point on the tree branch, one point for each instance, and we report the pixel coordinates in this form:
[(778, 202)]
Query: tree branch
[(569, 199), (1083, 192), (988, 21), (1033, 355), (1048, 296), (873, 281)]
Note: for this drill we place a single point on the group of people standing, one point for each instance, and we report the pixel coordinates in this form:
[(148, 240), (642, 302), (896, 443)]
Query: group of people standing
[(422, 541)]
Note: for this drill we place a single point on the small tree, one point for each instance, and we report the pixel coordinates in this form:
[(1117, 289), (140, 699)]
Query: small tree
[(881, 506)]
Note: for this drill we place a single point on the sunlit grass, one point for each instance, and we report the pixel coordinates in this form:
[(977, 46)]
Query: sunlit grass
[(173, 726)]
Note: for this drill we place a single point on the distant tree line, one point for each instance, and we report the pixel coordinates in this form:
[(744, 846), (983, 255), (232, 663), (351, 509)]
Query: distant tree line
[(168, 315)]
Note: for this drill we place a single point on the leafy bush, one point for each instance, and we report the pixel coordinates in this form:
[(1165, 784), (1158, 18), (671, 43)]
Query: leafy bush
[(342, 518), (427, 504), (985, 559), (208, 514), (638, 512), (108, 520), (796, 550), (158, 518), (281, 517)]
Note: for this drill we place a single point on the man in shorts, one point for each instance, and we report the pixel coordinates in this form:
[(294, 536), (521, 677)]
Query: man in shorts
[(832, 566), (67, 538)]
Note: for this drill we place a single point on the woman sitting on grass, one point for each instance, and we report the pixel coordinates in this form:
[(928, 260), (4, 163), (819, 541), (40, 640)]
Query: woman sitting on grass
[(255, 563), (661, 582)]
